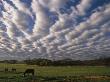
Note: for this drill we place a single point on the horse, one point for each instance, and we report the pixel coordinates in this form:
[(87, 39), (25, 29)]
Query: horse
[(13, 70), (6, 70), (29, 71)]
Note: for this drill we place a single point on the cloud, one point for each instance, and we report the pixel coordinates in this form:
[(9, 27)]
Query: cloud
[(84, 6), (53, 5), (40, 29)]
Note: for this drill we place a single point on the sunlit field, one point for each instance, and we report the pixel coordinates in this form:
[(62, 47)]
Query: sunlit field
[(55, 74)]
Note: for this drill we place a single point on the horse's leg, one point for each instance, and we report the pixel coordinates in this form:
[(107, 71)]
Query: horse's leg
[(33, 73), (24, 74)]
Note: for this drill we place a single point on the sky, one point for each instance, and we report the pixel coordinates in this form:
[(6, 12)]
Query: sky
[(54, 29)]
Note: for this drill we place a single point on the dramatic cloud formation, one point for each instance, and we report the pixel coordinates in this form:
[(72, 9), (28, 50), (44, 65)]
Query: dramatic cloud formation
[(55, 29)]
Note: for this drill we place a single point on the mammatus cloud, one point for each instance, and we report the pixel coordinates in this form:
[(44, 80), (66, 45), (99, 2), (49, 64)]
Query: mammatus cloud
[(54, 29)]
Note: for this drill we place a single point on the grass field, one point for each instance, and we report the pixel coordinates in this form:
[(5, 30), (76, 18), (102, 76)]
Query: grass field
[(55, 74)]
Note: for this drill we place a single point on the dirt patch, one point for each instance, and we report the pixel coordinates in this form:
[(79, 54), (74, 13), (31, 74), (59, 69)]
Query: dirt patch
[(98, 77)]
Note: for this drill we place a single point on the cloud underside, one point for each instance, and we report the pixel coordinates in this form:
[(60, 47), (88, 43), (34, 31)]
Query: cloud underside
[(52, 29)]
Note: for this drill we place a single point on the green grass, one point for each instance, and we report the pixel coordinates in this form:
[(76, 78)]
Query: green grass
[(52, 72), (60, 71)]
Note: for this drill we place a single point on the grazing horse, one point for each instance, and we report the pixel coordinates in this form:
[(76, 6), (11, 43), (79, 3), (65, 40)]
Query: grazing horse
[(6, 70), (13, 70), (29, 71)]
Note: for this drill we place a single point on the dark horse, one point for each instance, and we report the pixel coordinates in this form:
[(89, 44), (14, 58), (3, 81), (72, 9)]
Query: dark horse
[(6, 70), (29, 71), (13, 70)]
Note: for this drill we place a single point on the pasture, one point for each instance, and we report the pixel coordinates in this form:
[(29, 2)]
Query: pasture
[(55, 74)]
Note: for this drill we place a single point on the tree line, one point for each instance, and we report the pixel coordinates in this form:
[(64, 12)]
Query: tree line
[(64, 62)]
